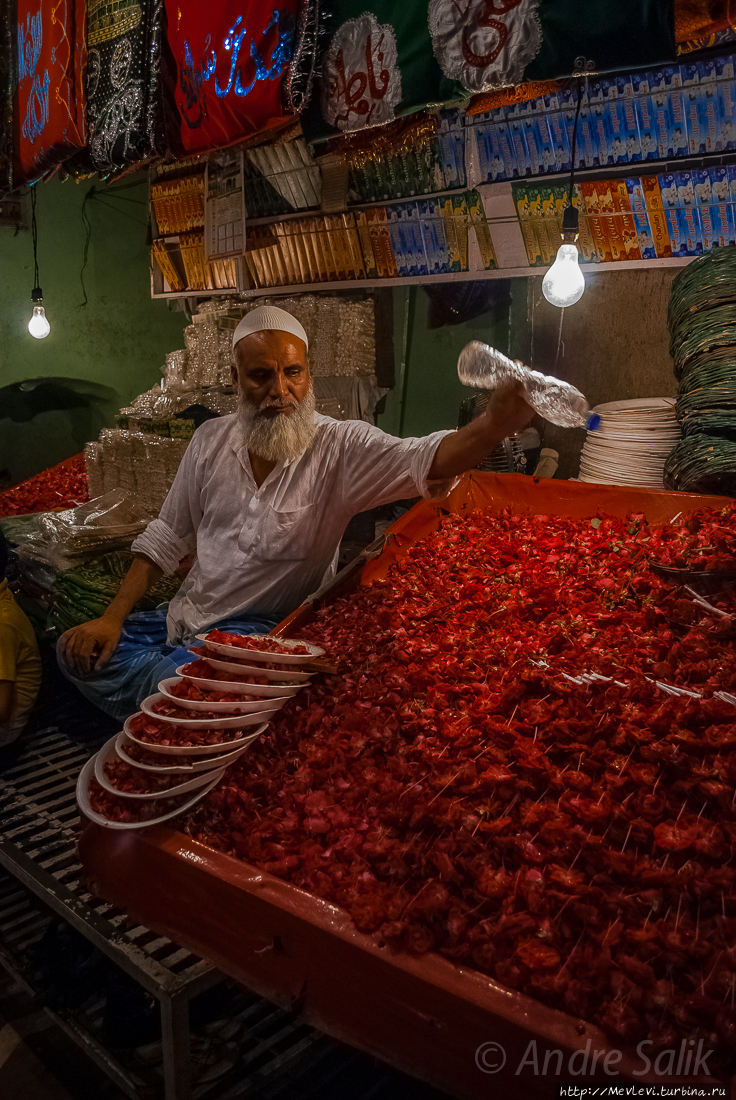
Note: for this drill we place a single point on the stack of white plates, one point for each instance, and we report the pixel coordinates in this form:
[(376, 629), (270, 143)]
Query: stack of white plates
[(632, 442)]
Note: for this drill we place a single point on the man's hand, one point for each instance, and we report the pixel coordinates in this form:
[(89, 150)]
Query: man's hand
[(508, 411), (90, 646)]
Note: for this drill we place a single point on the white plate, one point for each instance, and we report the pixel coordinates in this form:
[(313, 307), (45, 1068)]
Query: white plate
[(87, 773), (260, 657), (109, 754), (229, 722), (193, 750), (219, 760), (249, 706), (636, 403), (254, 670), (266, 691)]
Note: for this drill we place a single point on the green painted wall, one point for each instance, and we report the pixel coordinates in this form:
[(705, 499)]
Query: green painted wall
[(428, 393), (117, 341)]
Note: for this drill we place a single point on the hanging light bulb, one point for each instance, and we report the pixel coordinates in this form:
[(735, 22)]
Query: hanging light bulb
[(564, 283), (38, 325)]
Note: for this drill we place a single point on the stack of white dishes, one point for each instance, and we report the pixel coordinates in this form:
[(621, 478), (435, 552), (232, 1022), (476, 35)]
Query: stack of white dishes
[(178, 746), (632, 443)]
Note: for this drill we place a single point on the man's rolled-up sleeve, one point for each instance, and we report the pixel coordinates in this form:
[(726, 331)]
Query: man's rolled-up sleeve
[(173, 535), (379, 468)]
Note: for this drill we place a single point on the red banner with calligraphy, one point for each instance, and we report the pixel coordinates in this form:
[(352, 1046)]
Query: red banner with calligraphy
[(49, 108), (231, 61)]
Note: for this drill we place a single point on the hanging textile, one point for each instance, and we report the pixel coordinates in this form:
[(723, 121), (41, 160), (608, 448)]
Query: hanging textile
[(702, 18), (487, 44), (49, 99), (123, 80), (7, 74), (231, 59), (377, 64)]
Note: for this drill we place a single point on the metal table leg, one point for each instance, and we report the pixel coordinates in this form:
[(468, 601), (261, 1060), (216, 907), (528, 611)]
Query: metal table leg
[(175, 1039)]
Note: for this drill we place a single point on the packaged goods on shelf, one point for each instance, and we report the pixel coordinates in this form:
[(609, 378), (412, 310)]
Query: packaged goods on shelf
[(638, 218), (379, 242), (676, 111)]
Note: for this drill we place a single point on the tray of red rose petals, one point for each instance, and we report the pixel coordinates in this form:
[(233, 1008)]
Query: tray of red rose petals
[(158, 706), (127, 780), (271, 672), (185, 693), (208, 678), (157, 736), (115, 811), (148, 760), (261, 648)]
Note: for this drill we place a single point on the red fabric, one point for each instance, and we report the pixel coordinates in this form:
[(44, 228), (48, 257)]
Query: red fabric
[(231, 60), (49, 108)]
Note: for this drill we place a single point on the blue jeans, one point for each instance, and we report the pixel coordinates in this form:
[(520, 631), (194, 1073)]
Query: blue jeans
[(143, 659)]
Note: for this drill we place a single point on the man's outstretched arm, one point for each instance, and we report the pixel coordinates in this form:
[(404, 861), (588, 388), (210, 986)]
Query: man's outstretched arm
[(507, 413), (90, 645)]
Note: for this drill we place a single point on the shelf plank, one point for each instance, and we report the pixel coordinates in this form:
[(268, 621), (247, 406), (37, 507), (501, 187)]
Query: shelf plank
[(423, 280)]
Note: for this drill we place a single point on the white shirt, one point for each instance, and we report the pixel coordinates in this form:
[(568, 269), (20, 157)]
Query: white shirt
[(266, 549)]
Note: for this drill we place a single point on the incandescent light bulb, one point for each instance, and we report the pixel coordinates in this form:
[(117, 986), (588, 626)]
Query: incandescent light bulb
[(38, 326), (564, 283)]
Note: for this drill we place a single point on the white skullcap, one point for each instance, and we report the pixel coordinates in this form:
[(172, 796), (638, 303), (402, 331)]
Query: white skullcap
[(265, 318)]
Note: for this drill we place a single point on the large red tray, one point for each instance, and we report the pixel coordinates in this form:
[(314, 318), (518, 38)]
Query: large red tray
[(424, 1015)]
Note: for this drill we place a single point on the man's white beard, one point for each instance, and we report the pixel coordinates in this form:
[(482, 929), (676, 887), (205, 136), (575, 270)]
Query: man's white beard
[(278, 438)]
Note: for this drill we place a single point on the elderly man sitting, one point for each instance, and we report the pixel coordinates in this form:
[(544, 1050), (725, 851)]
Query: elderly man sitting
[(263, 497)]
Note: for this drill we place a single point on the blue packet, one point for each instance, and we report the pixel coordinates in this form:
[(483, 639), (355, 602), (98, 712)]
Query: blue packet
[(709, 105), (689, 212), (726, 132), (645, 117), (641, 219), (693, 108)]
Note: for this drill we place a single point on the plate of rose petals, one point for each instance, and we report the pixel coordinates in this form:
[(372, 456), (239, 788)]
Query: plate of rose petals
[(208, 678), (261, 648), (157, 736), (127, 780), (168, 710), (184, 693), (147, 759), (115, 811)]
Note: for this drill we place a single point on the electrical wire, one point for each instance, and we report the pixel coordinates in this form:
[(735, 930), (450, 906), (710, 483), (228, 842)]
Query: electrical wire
[(575, 141), (34, 237), (94, 195)]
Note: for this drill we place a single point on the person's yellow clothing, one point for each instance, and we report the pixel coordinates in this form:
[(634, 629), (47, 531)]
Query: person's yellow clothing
[(20, 662)]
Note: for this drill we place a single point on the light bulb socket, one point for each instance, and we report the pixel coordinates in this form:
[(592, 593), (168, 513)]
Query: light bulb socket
[(37, 294), (570, 224)]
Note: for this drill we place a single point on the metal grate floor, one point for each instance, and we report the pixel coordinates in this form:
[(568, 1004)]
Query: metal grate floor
[(41, 882)]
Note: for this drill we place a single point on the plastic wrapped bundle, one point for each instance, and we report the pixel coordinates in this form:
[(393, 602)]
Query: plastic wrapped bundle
[(64, 539), (342, 340), (93, 465), (176, 370)]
